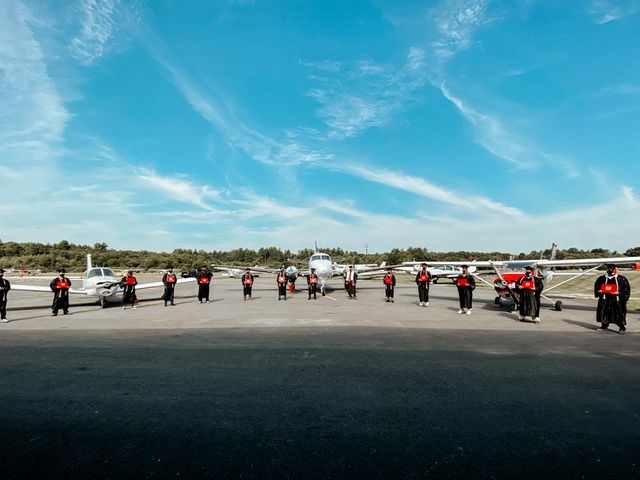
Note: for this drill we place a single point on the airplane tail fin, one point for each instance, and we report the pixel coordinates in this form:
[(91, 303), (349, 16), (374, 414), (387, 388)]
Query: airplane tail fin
[(89, 265), (383, 264), (554, 250)]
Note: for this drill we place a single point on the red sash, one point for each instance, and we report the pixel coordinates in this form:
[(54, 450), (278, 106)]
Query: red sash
[(282, 279), (463, 282), (130, 281), (62, 285), (424, 277), (313, 280), (204, 280), (171, 279), (248, 281), (610, 288), (388, 280), (528, 284)]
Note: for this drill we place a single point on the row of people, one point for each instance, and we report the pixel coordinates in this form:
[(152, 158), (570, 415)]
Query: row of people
[(612, 290)]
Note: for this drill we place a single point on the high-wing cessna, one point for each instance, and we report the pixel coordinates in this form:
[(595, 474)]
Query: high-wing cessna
[(100, 282), (436, 271), (508, 272), (321, 262)]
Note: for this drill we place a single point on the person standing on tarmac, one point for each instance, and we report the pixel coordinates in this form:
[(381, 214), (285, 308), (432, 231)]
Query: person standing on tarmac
[(247, 284), (613, 292), (466, 285), (312, 284), (423, 281), (128, 284), (529, 289), (350, 281), (169, 280), (5, 286), (281, 281), (60, 287), (389, 282), (204, 284)]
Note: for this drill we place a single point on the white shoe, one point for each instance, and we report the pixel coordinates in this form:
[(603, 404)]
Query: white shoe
[(521, 318), (124, 308), (134, 307), (468, 312), (207, 301), (426, 304), (536, 320), (460, 311), (4, 320)]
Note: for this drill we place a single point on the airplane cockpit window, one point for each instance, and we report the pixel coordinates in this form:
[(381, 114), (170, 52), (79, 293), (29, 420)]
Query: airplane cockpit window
[(107, 272), (94, 272), (325, 257), (315, 257)]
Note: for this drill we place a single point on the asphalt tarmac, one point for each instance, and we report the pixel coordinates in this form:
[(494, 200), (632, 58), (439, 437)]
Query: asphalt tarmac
[(376, 391)]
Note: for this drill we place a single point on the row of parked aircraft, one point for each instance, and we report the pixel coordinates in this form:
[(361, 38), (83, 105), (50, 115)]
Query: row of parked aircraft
[(102, 283)]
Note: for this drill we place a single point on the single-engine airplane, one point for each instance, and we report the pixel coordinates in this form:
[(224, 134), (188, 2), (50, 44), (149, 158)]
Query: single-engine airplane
[(100, 282)]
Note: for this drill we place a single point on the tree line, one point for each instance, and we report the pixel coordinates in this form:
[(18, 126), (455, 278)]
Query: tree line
[(51, 256)]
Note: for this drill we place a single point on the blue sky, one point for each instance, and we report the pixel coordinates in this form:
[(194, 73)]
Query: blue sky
[(452, 124)]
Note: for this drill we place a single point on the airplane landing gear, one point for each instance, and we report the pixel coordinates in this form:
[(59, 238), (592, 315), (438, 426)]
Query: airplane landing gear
[(497, 301), (103, 302), (322, 291), (558, 306)]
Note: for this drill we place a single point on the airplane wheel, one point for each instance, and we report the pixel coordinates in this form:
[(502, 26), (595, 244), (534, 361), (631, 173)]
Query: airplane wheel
[(435, 280), (103, 302), (512, 308), (322, 291), (558, 306), (497, 301)]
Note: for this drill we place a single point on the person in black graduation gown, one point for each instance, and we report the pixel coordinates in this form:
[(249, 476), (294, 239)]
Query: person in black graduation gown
[(5, 286), (350, 282), (529, 289), (389, 281), (312, 284), (60, 287), (128, 284), (204, 283), (247, 284), (466, 285), (281, 281), (169, 280), (612, 291), (423, 280)]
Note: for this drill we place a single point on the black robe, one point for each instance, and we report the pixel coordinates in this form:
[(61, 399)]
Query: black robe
[(5, 286), (389, 287), (169, 287), (247, 283), (423, 286), (612, 308), (128, 290), (465, 292), (350, 287), (204, 282), (530, 298), (60, 295), (312, 286), (282, 286)]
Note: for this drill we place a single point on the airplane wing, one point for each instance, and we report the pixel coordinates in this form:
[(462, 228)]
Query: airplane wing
[(43, 289), (244, 267), (576, 262), (476, 263), (142, 286)]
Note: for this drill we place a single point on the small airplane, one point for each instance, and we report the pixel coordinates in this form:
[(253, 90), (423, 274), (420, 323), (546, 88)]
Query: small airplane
[(437, 271), (508, 272), (324, 267), (100, 282)]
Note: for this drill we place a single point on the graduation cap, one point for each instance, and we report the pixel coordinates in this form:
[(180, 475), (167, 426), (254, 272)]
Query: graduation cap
[(612, 265), (1, 270), (62, 270), (465, 266), (529, 268)]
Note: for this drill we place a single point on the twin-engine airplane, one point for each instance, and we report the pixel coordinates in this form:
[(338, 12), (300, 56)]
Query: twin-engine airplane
[(321, 262), (100, 282)]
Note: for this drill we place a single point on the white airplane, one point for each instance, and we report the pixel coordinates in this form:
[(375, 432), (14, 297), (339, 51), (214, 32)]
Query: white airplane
[(436, 271), (320, 261), (100, 282)]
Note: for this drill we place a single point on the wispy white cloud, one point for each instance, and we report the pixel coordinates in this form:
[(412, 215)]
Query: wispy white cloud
[(420, 186), (493, 135), (456, 22), (32, 114), (606, 11), (180, 189), (368, 95), (324, 65)]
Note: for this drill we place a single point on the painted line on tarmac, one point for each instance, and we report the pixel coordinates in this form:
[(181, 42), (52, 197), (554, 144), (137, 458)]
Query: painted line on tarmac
[(331, 298)]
